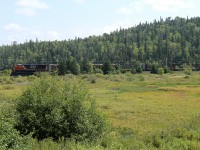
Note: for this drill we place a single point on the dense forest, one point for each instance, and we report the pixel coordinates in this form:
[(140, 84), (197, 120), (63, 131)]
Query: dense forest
[(164, 41)]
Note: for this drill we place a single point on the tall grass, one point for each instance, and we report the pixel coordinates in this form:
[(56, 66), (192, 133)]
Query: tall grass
[(146, 111)]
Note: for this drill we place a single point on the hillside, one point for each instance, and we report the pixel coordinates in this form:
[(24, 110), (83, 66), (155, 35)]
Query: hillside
[(165, 41)]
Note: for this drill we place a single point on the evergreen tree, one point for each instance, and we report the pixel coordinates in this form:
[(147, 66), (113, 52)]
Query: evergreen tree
[(106, 68), (177, 40), (72, 66), (86, 66), (62, 68)]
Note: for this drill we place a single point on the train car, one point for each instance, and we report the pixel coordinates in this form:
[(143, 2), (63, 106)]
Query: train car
[(30, 69)]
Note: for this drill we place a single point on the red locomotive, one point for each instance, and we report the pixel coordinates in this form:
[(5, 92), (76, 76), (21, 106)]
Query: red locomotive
[(30, 69)]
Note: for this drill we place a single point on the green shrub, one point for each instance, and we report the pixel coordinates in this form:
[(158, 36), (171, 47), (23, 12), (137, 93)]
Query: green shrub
[(160, 71), (93, 80), (106, 68), (98, 71), (10, 137), (31, 78), (167, 70), (86, 66), (187, 70), (50, 108), (39, 74), (183, 136), (6, 72), (133, 70), (154, 69), (141, 78), (8, 81), (123, 71), (187, 77), (7, 87)]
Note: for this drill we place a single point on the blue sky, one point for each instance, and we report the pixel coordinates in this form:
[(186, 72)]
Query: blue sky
[(23, 20)]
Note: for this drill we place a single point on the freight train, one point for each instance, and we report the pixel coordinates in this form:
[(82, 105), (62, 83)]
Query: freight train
[(30, 69)]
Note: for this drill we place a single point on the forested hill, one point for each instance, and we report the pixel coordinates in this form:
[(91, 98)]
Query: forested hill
[(166, 41)]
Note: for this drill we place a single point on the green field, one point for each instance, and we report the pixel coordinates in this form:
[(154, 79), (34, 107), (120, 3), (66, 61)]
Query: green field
[(148, 102), (143, 104)]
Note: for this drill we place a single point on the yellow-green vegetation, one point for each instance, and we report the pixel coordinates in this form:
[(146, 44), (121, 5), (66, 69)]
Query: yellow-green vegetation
[(147, 102), (146, 111)]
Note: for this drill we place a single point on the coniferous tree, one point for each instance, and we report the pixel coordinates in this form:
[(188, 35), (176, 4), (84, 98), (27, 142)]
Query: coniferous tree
[(106, 68), (86, 66), (62, 68), (177, 40)]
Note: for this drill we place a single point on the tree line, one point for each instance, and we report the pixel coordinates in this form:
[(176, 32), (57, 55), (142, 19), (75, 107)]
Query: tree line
[(164, 42)]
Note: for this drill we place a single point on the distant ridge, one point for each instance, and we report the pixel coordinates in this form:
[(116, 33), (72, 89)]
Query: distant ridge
[(165, 41)]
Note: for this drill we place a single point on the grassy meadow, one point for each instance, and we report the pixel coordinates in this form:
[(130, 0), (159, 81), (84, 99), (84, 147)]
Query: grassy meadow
[(147, 102), (138, 106)]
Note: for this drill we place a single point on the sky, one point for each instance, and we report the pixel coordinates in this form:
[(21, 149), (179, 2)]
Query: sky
[(22, 20)]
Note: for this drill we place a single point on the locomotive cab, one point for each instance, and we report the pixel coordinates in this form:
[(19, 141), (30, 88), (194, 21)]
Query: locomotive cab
[(19, 67)]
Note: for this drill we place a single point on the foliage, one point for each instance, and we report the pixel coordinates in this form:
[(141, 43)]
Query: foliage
[(184, 136), (106, 68), (62, 70), (72, 66), (136, 67), (92, 79), (10, 137), (139, 69), (5, 72), (37, 74), (98, 71), (187, 69), (154, 68), (56, 109), (166, 69), (86, 66), (157, 113), (68, 66), (161, 71), (170, 41)]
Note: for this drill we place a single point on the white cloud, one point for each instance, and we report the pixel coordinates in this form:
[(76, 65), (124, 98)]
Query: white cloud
[(125, 11), (16, 32), (83, 31), (124, 24), (80, 1), (52, 34), (13, 27), (37, 4), (169, 5), (135, 7), (27, 11), (30, 7)]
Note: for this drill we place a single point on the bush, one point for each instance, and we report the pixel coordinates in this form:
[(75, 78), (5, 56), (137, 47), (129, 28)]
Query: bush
[(138, 69), (98, 71), (37, 74), (6, 72), (86, 66), (167, 70), (180, 136), (54, 109), (106, 68), (92, 79), (154, 69), (160, 71), (187, 70), (10, 137), (31, 78), (123, 71)]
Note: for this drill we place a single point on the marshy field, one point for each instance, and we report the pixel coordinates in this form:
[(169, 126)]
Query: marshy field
[(145, 111)]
